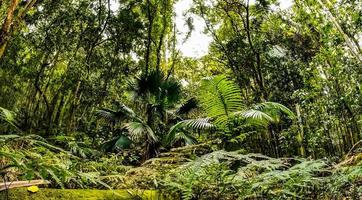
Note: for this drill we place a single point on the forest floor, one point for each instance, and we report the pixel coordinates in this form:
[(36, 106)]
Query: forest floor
[(203, 172)]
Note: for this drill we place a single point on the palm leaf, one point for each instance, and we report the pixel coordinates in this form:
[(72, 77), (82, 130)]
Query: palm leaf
[(155, 84), (194, 124), (189, 140), (137, 130), (265, 113), (114, 117), (170, 91), (256, 117), (120, 142), (187, 107), (275, 107)]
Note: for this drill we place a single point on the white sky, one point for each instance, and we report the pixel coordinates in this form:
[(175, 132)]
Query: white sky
[(198, 44)]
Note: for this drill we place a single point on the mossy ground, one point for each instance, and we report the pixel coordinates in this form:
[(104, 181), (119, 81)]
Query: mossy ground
[(78, 194)]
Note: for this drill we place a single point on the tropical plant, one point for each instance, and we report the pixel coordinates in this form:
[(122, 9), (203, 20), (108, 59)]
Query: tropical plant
[(31, 157), (221, 99), (156, 96), (9, 117), (179, 131), (232, 175), (75, 147)]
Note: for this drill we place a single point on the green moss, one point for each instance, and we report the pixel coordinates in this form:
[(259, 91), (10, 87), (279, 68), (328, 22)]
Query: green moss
[(88, 194)]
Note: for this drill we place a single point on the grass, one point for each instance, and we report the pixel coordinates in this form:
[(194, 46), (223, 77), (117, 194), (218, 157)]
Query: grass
[(81, 194)]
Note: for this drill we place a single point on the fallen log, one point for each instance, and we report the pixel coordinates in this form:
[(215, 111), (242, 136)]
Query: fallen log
[(17, 184)]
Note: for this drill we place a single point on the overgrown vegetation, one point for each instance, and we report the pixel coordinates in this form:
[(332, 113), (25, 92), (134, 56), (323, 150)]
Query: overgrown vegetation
[(231, 175), (98, 94)]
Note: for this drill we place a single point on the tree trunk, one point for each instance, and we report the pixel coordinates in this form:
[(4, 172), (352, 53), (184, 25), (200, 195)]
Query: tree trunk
[(300, 136), (6, 28)]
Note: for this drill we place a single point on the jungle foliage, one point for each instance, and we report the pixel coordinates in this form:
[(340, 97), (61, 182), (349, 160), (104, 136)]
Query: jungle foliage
[(97, 94)]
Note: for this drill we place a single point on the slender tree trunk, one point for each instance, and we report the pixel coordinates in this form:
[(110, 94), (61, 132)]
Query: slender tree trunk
[(73, 107), (12, 21), (6, 28), (162, 35), (300, 136), (149, 36), (354, 50), (58, 110)]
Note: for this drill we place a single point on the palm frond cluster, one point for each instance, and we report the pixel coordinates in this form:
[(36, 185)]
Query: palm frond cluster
[(158, 123), (156, 120)]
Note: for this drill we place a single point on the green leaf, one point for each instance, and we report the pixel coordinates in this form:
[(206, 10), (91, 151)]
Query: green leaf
[(194, 124), (137, 130), (220, 98)]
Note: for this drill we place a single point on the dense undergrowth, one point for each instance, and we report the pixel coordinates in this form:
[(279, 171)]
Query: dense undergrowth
[(192, 172), (233, 175)]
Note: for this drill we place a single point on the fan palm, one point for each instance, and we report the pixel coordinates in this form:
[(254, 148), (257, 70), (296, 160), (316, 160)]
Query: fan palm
[(267, 112), (136, 127), (188, 106), (179, 131), (139, 130), (155, 88), (155, 96)]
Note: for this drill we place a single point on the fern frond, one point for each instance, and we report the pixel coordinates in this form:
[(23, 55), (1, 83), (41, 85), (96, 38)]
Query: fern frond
[(220, 97)]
